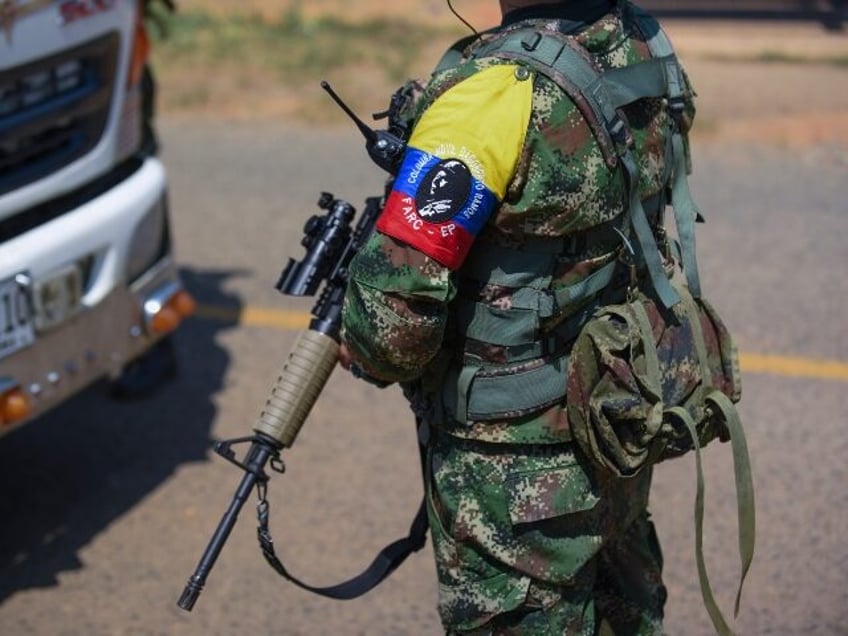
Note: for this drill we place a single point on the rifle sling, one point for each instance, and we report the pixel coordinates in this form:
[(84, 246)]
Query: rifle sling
[(388, 559)]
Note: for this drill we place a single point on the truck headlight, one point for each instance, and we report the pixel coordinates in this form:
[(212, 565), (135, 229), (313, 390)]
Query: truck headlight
[(135, 113), (129, 124), (150, 240)]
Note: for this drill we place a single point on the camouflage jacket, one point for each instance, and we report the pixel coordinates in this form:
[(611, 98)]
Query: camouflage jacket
[(499, 156)]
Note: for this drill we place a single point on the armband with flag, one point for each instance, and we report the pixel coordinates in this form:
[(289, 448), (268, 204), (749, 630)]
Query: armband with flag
[(458, 164)]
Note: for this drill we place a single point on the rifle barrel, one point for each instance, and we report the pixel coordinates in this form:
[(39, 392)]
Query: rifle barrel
[(257, 458)]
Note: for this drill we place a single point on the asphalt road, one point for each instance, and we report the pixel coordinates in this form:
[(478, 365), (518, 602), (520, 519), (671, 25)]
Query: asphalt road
[(106, 507)]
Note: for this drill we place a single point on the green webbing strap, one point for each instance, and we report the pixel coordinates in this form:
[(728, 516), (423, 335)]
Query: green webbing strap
[(466, 377), (693, 317), (628, 84), (541, 52), (557, 58), (651, 391), (652, 359), (685, 215), (685, 210), (648, 248), (744, 501), (586, 288), (713, 610), (744, 485)]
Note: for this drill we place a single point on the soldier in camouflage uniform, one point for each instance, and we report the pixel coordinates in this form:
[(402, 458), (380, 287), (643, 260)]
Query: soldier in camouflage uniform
[(470, 294)]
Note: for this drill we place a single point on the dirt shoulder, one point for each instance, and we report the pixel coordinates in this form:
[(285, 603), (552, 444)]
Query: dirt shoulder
[(780, 83)]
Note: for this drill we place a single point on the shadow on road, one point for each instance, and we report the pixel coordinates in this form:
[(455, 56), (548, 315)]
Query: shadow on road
[(80, 467)]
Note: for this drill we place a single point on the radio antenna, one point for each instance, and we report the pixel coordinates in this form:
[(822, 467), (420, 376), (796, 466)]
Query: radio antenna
[(460, 18)]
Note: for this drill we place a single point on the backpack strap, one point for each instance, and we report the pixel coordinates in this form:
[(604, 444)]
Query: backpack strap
[(719, 622), (721, 405), (686, 212), (455, 54), (716, 405), (562, 60)]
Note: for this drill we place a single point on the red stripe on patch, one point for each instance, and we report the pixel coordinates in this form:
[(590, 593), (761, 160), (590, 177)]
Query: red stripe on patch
[(446, 243)]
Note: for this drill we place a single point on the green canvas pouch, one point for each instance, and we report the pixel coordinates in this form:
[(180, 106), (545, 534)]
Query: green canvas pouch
[(646, 384), (636, 361)]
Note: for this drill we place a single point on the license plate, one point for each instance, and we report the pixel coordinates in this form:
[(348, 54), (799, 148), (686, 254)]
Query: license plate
[(16, 314), (57, 298)]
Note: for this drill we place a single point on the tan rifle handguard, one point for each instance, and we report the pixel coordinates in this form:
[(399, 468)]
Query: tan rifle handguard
[(302, 378)]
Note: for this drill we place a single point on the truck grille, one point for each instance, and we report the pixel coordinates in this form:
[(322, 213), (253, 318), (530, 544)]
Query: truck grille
[(54, 110)]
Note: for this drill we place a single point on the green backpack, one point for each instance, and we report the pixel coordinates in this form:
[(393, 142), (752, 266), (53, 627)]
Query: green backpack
[(657, 376)]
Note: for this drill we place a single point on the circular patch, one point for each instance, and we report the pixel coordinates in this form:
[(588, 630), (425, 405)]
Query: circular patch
[(443, 191)]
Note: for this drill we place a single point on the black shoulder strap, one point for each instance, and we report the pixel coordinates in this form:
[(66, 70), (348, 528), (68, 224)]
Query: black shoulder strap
[(384, 563)]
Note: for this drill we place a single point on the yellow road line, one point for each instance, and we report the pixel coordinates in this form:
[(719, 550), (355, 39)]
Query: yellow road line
[(255, 317), (788, 366), (794, 367)]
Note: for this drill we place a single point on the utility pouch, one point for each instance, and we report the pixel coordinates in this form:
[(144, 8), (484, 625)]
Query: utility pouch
[(645, 384), (640, 374)]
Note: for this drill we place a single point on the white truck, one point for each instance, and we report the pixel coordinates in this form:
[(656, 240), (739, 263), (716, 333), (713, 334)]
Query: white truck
[(88, 285)]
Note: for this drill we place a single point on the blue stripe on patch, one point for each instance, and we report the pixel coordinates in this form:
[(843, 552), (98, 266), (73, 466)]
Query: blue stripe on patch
[(416, 164), (477, 210)]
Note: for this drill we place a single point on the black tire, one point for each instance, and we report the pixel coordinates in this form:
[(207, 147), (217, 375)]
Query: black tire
[(145, 375)]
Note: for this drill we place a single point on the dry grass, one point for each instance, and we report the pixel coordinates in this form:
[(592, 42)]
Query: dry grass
[(265, 58), (481, 13)]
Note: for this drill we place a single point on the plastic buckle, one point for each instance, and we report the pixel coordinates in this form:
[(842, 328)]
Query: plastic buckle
[(676, 104), (676, 108), (661, 237), (619, 134), (627, 256), (548, 344)]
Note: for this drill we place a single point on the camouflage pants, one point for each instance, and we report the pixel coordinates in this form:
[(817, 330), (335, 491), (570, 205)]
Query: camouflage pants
[(529, 541)]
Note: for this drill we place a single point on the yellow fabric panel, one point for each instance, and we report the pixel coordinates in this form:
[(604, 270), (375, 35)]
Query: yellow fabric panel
[(482, 121)]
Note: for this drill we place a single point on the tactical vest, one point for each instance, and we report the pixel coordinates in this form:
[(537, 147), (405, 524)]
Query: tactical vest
[(515, 364), (508, 363)]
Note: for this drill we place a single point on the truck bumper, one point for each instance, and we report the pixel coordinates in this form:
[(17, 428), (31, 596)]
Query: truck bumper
[(112, 324)]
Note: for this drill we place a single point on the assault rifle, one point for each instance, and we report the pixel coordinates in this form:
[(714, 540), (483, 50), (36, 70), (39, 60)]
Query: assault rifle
[(330, 244)]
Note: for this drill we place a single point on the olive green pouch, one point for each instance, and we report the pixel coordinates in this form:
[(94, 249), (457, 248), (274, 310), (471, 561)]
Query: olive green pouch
[(647, 384)]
